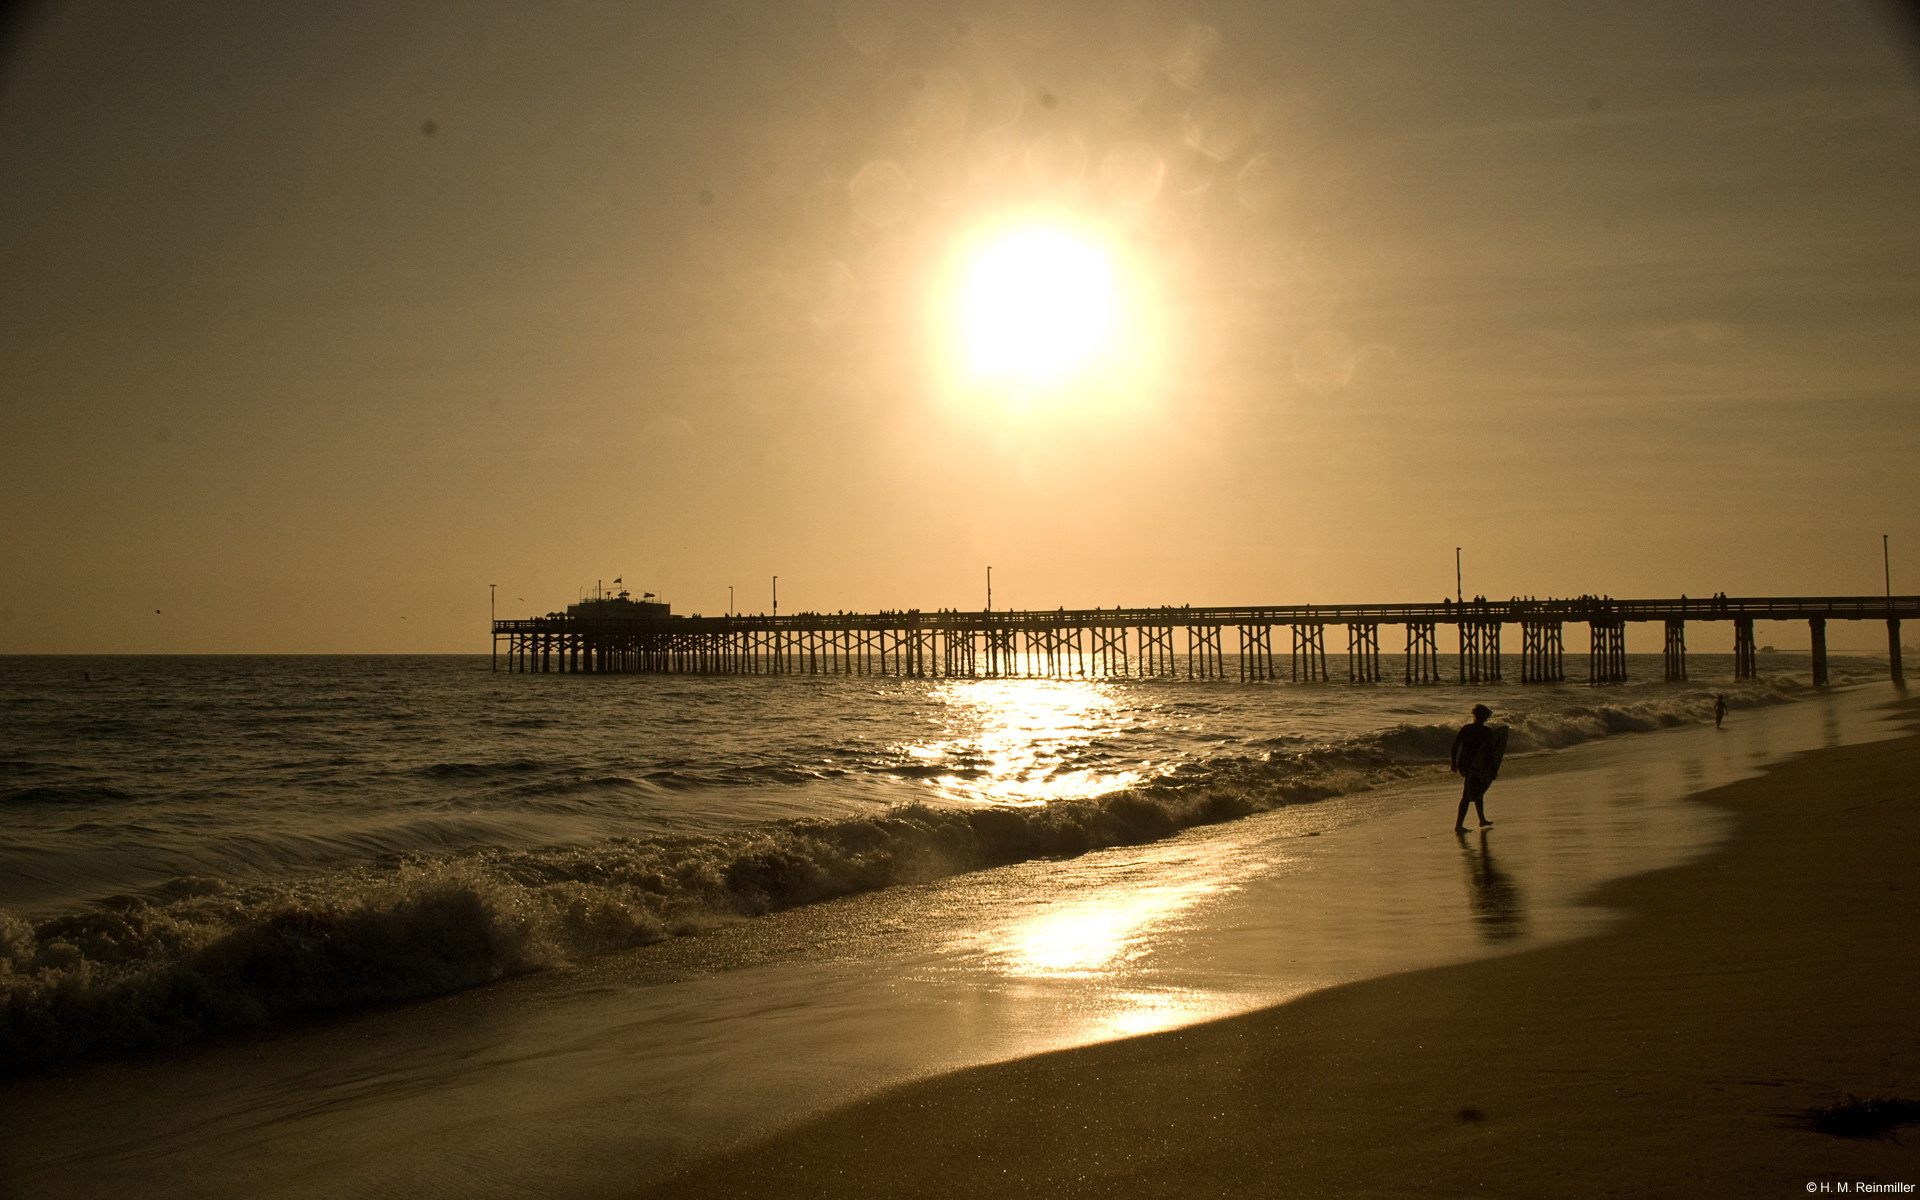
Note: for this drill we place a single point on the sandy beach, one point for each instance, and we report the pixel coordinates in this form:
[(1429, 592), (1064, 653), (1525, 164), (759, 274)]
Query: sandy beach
[(1675, 1054)]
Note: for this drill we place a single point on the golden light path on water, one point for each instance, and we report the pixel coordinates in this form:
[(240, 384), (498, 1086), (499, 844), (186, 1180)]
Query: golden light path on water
[(1025, 741)]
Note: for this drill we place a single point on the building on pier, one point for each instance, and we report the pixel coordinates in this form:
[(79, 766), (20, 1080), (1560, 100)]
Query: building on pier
[(621, 607), (616, 634)]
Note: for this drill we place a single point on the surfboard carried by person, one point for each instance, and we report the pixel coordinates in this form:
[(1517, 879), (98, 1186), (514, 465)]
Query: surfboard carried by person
[(1478, 750)]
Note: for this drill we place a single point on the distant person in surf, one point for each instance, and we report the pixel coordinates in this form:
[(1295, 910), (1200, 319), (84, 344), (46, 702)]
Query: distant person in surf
[(1719, 710), (1477, 751)]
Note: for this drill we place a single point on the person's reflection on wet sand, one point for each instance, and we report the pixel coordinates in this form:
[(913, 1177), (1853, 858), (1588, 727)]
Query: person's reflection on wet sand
[(1493, 898)]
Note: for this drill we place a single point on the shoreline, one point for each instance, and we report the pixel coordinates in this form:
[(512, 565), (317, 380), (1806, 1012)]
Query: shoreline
[(1674, 1052)]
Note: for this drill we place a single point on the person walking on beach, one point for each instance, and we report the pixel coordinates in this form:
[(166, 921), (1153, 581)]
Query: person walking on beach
[(1477, 751), (1719, 710)]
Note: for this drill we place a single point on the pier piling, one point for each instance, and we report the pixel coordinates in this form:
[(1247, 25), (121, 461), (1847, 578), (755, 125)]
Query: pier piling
[(1363, 653), (1479, 651), (1674, 655), (1607, 658), (1309, 654), (1156, 650), (1204, 660), (1746, 665), (1542, 653), (1423, 653), (1256, 653)]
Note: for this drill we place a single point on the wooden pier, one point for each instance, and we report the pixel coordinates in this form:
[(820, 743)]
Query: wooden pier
[(603, 636)]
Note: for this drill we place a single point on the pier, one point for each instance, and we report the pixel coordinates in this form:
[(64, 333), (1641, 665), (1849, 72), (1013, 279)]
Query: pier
[(619, 636)]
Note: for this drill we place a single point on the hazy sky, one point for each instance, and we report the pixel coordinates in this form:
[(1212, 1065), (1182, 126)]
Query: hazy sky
[(316, 319)]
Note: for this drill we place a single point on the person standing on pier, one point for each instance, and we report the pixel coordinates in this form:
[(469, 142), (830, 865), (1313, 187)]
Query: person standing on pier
[(1477, 751)]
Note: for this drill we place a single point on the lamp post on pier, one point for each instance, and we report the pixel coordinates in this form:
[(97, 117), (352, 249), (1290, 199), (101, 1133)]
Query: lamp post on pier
[(492, 637)]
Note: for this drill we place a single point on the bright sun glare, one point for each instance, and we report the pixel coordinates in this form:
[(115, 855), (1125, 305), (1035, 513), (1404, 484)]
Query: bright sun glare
[(1037, 305)]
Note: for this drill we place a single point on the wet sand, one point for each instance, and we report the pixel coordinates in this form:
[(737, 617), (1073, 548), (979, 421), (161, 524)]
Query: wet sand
[(1672, 1054)]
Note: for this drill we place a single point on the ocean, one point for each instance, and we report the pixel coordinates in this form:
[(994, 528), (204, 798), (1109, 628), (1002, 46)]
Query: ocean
[(197, 843)]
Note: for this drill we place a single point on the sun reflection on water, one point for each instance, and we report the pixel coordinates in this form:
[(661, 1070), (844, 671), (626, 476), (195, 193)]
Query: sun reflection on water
[(1093, 936), (1027, 741), (1141, 1012)]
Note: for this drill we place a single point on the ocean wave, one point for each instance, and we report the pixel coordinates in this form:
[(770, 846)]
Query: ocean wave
[(64, 794), (470, 770), (137, 972), (571, 787), (941, 770), (21, 768), (1535, 731)]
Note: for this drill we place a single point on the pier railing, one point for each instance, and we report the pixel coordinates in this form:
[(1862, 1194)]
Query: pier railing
[(1167, 641)]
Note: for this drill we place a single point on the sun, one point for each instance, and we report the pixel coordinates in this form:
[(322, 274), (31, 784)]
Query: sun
[(1038, 305)]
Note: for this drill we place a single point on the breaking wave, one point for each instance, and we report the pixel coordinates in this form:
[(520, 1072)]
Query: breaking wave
[(205, 955)]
